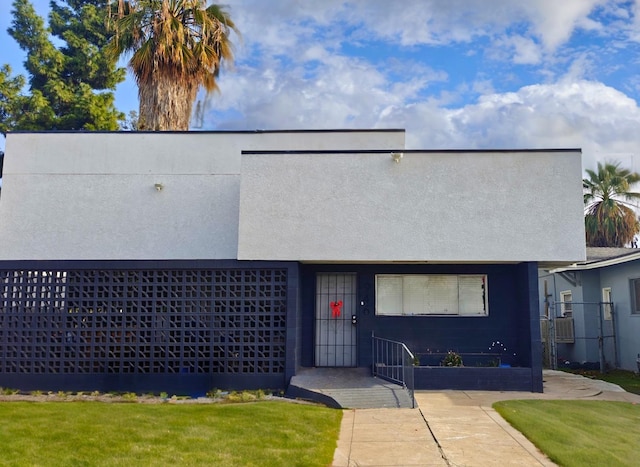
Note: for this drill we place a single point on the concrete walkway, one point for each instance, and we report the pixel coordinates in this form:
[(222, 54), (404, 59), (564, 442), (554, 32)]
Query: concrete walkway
[(456, 428)]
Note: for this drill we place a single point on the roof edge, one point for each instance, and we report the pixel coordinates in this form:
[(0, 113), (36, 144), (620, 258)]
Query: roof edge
[(585, 266), (412, 151), (314, 130)]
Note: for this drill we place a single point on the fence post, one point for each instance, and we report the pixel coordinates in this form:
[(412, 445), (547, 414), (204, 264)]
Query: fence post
[(613, 332), (601, 340), (553, 350)]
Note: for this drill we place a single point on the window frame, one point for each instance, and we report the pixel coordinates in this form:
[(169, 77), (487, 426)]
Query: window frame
[(606, 303), (404, 294), (634, 289), (566, 306)]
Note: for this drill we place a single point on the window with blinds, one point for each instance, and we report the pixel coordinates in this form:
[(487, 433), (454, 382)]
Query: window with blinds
[(415, 295)]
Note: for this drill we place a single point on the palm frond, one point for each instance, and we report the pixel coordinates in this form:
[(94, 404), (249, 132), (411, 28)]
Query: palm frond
[(173, 41), (610, 218)]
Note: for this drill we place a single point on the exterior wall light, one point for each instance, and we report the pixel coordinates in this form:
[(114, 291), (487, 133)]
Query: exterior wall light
[(396, 156), (158, 186)]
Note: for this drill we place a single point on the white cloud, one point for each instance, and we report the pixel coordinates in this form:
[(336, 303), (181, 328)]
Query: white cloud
[(635, 25), (524, 33), (581, 67), (413, 22), (525, 50), (584, 114), (554, 21), (323, 89)]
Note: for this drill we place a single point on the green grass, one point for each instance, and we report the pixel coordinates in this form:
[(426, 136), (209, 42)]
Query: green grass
[(578, 433), (103, 434), (627, 380)]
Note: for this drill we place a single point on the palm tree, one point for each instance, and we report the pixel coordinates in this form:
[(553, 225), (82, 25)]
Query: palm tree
[(609, 221), (177, 46)]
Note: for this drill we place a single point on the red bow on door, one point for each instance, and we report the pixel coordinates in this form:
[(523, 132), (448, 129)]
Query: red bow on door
[(335, 308)]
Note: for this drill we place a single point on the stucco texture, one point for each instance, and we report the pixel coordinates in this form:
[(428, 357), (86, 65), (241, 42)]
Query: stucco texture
[(77, 196), (475, 206)]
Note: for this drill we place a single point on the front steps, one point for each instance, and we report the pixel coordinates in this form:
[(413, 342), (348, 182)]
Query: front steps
[(352, 388)]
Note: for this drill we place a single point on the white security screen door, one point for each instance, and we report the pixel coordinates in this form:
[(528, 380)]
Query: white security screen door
[(335, 331)]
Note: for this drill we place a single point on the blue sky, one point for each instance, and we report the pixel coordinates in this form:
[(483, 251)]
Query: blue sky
[(454, 74)]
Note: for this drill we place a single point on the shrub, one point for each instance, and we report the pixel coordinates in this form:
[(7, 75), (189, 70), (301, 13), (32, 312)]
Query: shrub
[(452, 359)]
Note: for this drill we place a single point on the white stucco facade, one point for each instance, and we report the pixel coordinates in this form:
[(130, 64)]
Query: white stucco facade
[(76, 196), (440, 207)]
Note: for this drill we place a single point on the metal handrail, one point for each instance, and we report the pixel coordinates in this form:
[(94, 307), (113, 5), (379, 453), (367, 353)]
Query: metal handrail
[(393, 361)]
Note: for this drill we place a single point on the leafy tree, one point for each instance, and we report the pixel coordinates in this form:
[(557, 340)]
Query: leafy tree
[(130, 122), (176, 47), (70, 87), (10, 99), (609, 219)]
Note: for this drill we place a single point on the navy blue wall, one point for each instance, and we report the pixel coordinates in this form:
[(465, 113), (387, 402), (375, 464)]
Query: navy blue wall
[(528, 321), (292, 357), (261, 352), (513, 320), (512, 290)]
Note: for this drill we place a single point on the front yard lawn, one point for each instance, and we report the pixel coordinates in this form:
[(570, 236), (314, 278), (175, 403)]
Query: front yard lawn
[(270, 433), (578, 433)]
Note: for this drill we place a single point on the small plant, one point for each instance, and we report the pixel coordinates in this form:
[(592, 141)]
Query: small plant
[(245, 396), (130, 397), (452, 359), (36, 393), (95, 393), (164, 395), (8, 391), (176, 397), (63, 394), (214, 393)]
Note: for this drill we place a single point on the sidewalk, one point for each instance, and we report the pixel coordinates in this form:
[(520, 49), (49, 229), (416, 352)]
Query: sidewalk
[(456, 428)]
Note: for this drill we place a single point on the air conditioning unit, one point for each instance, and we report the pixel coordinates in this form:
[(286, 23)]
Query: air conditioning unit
[(564, 330)]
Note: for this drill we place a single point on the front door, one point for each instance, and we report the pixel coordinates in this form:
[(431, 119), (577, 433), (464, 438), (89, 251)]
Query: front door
[(335, 320)]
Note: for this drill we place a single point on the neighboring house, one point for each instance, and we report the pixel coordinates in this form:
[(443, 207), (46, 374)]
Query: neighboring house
[(186, 261), (601, 298)]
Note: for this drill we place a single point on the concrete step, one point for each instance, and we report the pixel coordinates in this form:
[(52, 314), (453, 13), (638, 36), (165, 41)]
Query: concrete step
[(353, 388)]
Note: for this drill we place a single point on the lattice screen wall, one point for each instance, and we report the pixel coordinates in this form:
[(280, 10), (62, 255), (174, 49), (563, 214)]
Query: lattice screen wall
[(143, 321)]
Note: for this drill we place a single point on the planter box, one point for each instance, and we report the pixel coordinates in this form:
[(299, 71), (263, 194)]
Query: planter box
[(474, 378), (481, 359)]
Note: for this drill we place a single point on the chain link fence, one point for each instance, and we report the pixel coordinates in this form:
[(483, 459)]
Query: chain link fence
[(579, 335)]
